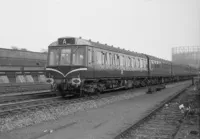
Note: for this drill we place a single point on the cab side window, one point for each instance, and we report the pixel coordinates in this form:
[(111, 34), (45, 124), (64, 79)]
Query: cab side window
[(121, 61), (110, 57)]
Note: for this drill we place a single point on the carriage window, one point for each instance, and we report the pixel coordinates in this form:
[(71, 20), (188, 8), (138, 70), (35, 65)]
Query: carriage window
[(102, 58), (124, 61), (121, 60), (158, 66), (89, 56), (145, 64), (130, 62), (54, 57), (78, 56), (65, 56), (152, 64), (117, 62), (137, 62), (141, 63), (133, 63), (98, 57), (108, 59), (113, 59)]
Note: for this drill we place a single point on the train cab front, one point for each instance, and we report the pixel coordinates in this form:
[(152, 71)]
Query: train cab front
[(67, 65)]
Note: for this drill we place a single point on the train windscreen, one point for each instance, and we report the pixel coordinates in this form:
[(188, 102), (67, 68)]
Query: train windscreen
[(67, 56)]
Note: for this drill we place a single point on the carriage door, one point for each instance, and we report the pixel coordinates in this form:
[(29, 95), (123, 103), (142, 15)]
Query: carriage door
[(90, 62)]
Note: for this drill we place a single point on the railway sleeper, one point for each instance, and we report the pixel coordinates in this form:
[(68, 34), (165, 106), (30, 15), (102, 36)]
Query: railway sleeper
[(156, 126), (155, 131), (24, 88), (138, 136), (158, 122)]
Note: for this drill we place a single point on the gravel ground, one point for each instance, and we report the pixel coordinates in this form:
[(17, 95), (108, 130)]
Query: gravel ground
[(190, 128), (52, 113)]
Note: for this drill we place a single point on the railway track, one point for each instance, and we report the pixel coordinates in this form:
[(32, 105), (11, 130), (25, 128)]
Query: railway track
[(23, 104), (164, 121), (11, 108), (23, 97)]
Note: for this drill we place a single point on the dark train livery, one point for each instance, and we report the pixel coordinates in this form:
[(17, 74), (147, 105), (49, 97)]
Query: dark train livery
[(81, 66)]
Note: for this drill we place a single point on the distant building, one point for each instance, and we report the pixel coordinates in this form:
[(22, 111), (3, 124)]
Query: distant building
[(15, 57), (189, 55)]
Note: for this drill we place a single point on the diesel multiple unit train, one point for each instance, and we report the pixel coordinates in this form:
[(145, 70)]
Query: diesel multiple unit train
[(80, 66)]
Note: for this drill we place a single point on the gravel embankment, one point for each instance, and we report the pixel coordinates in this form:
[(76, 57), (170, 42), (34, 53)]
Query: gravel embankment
[(53, 112)]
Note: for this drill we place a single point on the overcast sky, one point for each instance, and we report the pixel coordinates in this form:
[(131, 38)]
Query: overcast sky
[(147, 26)]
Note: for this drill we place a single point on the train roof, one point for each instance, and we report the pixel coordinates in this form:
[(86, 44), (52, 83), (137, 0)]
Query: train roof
[(80, 41), (159, 59)]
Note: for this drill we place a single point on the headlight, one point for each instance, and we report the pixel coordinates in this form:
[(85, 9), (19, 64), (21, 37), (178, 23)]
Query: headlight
[(76, 81)]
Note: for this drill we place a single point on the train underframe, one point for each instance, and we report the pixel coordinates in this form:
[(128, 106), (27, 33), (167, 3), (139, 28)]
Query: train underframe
[(97, 86)]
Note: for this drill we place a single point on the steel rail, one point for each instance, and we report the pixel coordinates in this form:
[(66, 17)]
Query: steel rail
[(150, 113)]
